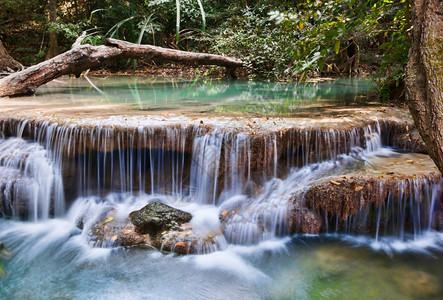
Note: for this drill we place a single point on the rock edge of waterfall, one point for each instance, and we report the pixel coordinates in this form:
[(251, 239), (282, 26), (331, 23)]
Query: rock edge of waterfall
[(240, 156)]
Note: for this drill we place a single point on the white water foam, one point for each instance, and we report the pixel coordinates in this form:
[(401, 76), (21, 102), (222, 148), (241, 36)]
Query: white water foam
[(32, 176)]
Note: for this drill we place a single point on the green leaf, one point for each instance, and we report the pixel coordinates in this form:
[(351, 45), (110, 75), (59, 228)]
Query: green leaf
[(94, 11), (337, 47), (2, 271), (203, 15), (177, 25), (117, 26)]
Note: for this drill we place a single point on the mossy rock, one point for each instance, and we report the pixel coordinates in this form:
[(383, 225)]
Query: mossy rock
[(157, 217)]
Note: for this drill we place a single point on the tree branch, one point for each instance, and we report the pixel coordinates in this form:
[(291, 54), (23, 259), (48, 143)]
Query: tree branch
[(79, 40), (83, 57)]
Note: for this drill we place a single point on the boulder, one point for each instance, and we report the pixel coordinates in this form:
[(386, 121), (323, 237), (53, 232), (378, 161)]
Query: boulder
[(157, 217)]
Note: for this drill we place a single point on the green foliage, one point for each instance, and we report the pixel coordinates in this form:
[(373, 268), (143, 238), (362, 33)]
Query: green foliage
[(326, 29), (187, 13), (285, 41), (69, 31), (95, 40), (395, 54), (278, 40), (157, 19), (22, 24), (263, 46)]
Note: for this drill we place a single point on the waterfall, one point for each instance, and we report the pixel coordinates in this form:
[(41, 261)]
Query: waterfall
[(29, 174), (205, 166), (260, 180), (409, 210)]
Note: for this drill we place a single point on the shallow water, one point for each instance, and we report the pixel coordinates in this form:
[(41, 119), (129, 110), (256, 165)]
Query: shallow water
[(52, 261), (209, 95)]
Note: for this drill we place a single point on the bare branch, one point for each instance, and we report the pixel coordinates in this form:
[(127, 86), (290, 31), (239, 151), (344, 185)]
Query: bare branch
[(79, 40)]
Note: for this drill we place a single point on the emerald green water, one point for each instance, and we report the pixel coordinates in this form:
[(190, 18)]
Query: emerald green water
[(327, 268), (209, 95)]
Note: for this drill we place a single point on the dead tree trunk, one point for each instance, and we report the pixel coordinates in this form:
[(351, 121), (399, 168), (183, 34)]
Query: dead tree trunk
[(7, 63), (424, 75), (84, 57)]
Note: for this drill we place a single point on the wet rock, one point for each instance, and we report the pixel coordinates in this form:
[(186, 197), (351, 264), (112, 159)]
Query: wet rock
[(252, 189), (438, 220), (185, 240), (302, 220), (109, 231), (80, 223), (15, 196), (235, 220), (157, 217), (357, 195), (84, 216), (6, 207)]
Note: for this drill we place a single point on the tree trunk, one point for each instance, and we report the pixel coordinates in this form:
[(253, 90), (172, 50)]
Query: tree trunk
[(53, 44), (424, 75), (84, 57), (7, 63)]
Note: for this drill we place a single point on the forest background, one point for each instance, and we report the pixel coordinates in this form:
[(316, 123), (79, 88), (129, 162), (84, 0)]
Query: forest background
[(278, 40)]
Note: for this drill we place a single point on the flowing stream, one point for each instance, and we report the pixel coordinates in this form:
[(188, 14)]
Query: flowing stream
[(53, 175)]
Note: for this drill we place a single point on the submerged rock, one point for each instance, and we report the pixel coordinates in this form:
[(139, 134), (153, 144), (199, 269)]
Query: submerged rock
[(415, 282), (157, 217)]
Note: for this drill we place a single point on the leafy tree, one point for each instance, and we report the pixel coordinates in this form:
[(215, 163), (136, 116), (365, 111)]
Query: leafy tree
[(308, 38)]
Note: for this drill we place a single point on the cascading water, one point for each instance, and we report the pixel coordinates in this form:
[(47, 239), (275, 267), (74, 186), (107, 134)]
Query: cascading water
[(183, 164), (205, 167), (29, 174), (280, 210)]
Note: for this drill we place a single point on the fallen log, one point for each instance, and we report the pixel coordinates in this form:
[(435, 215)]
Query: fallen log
[(84, 57), (162, 55)]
